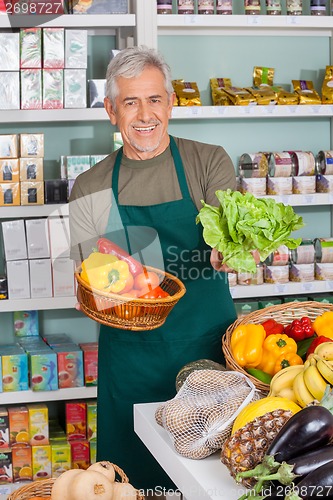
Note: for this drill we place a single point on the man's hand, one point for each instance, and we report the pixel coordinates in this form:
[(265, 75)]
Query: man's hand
[(216, 261)]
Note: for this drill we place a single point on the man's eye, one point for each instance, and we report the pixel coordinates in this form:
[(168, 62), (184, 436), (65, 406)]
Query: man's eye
[(155, 100)]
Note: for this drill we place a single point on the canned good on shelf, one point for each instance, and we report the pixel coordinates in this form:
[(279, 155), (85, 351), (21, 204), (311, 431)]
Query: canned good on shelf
[(324, 271), (232, 279), (256, 278), (301, 272), (279, 185), (324, 183), (164, 6), (185, 6), (253, 165), (255, 185), (324, 162), (276, 274), (205, 6), (224, 7), (323, 249), (278, 258), (281, 165), (304, 185), (304, 254), (304, 162)]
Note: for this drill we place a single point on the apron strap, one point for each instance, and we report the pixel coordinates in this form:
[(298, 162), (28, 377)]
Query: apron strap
[(178, 166)]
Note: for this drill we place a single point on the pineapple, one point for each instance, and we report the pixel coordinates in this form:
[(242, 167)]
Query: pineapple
[(246, 448)]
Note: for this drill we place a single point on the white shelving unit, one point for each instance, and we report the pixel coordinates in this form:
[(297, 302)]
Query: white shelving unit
[(142, 27), (20, 397)]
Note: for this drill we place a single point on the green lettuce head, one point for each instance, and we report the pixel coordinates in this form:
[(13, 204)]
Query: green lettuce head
[(243, 223)]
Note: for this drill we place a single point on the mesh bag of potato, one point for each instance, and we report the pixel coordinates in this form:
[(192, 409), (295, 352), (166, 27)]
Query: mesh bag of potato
[(200, 417)]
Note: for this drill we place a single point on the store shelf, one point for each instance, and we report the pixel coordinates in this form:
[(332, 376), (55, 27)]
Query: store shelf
[(68, 21), (53, 115), (37, 304), (21, 397), (178, 113), (295, 200), (34, 211), (251, 111), (278, 289), (243, 25)]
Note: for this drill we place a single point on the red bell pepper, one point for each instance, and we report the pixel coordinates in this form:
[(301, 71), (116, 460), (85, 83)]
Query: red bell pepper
[(272, 327), (106, 246), (300, 329), (317, 341)]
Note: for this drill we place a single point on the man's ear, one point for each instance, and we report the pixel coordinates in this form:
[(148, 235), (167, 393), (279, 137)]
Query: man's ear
[(110, 111)]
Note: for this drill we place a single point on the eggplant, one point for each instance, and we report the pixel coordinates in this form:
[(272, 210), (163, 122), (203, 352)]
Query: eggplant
[(307, 462), (306, 430), (316, 484)]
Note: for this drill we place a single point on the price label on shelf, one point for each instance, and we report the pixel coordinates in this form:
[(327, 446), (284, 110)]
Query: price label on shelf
[(189, 19), (280, 288), (307, 286), (194, 111), (254, 20), (293, 20)]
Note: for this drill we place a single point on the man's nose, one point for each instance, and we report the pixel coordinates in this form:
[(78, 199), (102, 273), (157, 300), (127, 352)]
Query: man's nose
[(144, 111)]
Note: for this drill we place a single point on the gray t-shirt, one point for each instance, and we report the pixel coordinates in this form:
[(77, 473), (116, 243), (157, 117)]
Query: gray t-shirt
[(146, 182)]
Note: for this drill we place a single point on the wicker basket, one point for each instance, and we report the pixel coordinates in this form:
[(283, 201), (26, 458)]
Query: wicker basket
[(43, 487), (131, 314), (282, 313)]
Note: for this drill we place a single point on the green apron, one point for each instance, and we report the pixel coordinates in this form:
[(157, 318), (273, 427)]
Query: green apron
[(141, 367)]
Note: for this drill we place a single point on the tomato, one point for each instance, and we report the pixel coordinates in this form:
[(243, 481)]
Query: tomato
[(129, 284), (155, 293), (146, 280)]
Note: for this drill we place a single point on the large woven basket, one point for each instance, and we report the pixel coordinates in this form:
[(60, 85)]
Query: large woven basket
[(43, 487), (131, 314), (282, 313)]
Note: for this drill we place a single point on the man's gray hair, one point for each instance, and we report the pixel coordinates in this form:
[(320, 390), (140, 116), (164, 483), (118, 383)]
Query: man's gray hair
[(131, 62)]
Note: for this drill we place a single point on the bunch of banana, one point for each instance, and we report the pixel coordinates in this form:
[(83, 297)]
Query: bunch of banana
[(310, 383), (281, 384)]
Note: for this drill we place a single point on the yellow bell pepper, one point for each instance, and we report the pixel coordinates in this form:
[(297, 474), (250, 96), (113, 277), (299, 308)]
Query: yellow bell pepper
[(323, 325), (287, 359), (105, 272), (246, 344), (274, 347)]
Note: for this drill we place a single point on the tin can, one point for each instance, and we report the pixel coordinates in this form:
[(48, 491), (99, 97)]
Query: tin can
[(252, 7), (279, 185), (273, 7), (305, 163), (324, 271), (318, 7), (302, 273), (294, 7), (281, 165), (164, 6), (205, 6), (323, 249), (304, 254), (256, 278), (232, 279), (304, 185), (324, 163), (253, 165), (278, 258), (224, 7), (185, 6), (254, 185), (276, 274)]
